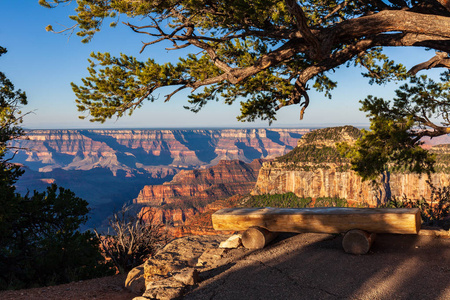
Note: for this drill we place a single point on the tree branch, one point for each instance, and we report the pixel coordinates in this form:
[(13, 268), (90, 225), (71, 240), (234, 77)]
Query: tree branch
[(445, 3), (335, 10), (302, 26), (440, 60)]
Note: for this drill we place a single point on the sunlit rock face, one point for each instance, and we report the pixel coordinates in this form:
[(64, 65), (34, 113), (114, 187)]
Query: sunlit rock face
[(191, 193), (227, 178), (129, 150), (316, 169), (281, 178)]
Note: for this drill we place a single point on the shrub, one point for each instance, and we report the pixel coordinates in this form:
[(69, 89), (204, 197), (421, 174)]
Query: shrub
[(135, 237), (331, 202), (435, 212), (277, 200)]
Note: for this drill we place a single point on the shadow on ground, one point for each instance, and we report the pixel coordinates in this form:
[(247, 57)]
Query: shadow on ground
[(314, 266)]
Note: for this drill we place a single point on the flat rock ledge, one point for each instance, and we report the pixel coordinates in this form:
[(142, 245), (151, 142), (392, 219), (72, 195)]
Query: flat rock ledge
[(176, 268)]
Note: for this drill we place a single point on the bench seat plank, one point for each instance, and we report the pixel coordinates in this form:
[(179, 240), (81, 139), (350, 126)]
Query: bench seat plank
[(320, 219)]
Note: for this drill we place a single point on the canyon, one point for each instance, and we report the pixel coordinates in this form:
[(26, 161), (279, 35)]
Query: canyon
[(227, 178), (110, 167), (182, 175)]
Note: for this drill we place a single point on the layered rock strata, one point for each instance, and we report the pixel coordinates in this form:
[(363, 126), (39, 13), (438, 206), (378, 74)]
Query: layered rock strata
[(225, 179), (109, 167), (316, 169), (130, 150), (279, 178)]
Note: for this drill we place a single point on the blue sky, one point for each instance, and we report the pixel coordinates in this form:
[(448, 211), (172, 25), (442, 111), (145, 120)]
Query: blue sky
[(44, 64)]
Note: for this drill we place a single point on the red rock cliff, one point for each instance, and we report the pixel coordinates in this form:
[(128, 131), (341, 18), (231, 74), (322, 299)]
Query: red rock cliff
[(206, 185)]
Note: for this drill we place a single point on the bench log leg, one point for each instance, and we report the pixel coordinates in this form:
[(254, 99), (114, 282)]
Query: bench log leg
[(257, 237), (358, 241)]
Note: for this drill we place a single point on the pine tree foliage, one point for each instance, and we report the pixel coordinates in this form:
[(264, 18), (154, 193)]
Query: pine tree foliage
[(267, 54), (11, 101)]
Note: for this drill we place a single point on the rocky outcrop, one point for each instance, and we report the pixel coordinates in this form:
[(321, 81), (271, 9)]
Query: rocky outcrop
[(175, 268), (191, 193), (316, 169), (225, 179), (196, 267), (172, 216), (189, 221), (200, 223)]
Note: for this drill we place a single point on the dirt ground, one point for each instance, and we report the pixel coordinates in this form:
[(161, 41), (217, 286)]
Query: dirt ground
[(106, 288)]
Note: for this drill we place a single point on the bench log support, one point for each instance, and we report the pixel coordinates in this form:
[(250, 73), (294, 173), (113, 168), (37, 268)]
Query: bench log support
[(358, 241), (257, 237)]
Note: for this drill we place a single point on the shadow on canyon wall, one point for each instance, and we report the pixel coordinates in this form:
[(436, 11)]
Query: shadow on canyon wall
[(105, 192)]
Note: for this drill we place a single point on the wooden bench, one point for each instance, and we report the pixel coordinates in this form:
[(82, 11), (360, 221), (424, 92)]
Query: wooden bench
[(360, 225)]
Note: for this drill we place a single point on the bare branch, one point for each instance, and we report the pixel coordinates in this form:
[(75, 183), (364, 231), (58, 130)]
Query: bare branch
[(440, 60), (136, 236), (174, 92)]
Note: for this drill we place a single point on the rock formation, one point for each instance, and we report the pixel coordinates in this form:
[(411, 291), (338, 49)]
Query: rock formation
[(130, 150), (174, 270), (316, 169), (227, 178), (196, 267), (191, 192)]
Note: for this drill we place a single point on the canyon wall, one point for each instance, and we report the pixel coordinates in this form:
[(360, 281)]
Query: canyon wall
[(159, 152), (316, 169), (227, 178), (279, 178), (191, 192)]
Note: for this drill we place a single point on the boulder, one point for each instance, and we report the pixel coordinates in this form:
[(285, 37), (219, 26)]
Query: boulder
[(232, 242), (166, 274), (188, 276), (135, 281), (164, 289)]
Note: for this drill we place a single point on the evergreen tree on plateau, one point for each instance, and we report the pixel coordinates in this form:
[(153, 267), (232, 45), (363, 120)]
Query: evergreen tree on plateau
[(10, 102), (270, 53), (40, 243)]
